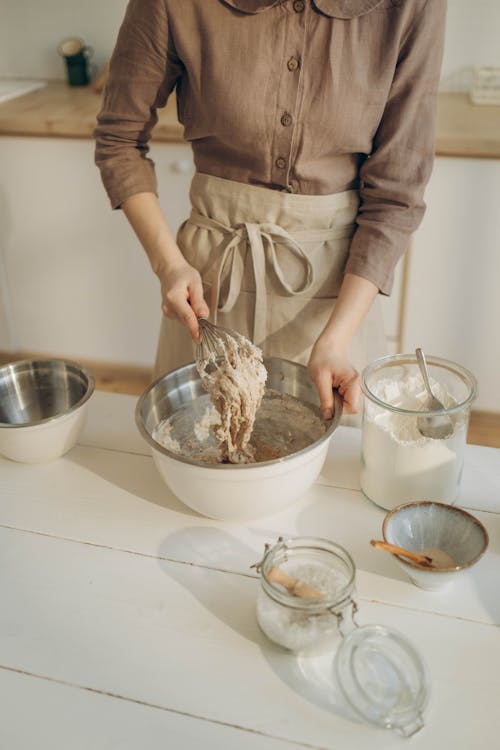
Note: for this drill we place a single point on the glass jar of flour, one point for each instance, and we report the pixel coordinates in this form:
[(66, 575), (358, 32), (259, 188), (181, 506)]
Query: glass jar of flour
[(298, 620), (306, 605), (398, 462)]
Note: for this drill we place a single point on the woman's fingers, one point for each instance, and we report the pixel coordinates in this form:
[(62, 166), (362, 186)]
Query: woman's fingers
[(197, 299), (323, 383), (178, 308), (351, 394), (182, 295), (329, 373)]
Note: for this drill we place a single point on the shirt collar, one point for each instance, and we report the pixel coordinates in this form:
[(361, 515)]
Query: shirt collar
[(252, 6), (332, 8), (346, 8)]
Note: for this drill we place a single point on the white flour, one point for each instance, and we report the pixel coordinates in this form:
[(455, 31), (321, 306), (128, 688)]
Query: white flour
[(283, 425), (398, 463), (299, 630)]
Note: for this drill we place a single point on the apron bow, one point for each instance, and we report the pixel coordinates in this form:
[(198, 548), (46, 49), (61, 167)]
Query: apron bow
[(261, 240)]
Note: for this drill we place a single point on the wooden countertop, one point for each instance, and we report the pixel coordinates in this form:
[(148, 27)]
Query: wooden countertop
[(463, 129), (58, 110)]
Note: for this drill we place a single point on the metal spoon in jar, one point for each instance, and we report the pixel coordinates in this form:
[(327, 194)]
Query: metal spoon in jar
[(437, 427)]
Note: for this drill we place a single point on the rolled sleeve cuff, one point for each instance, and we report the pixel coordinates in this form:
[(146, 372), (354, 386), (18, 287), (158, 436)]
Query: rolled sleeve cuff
[(119, 185), (374, 253)]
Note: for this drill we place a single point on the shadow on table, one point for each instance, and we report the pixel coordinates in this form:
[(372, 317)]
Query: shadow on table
[(130, 472), (233, 602), (348, 518)]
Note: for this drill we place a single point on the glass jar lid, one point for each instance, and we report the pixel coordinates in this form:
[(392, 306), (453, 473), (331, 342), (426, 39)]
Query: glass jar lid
[(383, 678)]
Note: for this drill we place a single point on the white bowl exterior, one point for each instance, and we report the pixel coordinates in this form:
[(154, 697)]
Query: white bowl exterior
[(242, 494), (43, 442), (425, 579)]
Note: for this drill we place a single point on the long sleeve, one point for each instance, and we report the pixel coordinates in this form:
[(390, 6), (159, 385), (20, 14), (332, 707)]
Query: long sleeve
[(394, 176), (143, 72)]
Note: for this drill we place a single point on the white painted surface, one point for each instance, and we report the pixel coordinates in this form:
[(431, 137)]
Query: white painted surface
[(123, 613), (77, 283), (453, 306), (471, 39), (64, 716), (391, 308)]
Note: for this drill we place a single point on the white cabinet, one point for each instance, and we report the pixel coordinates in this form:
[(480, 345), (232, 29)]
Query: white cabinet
[(75, 281), (391, 310), (452, 306)]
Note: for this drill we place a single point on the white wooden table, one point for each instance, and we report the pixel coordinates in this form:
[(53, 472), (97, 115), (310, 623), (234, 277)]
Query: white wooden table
[(127, 621)]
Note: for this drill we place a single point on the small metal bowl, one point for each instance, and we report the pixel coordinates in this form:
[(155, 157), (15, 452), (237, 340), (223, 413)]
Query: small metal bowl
[(424, 523), (233, 492), (42, 408)]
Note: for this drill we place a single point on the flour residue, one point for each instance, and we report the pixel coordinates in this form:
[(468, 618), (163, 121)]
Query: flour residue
[(283, 425)]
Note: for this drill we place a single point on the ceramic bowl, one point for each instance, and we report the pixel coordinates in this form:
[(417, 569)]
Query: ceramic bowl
[(421, 524), (233, 492), (42, 408)]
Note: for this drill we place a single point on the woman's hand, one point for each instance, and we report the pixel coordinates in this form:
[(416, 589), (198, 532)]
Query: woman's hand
[(181, 288), (330, 368), (329, 365), (182, 295)]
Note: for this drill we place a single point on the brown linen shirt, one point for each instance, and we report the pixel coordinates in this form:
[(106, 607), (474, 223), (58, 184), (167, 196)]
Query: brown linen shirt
[(308, 96)]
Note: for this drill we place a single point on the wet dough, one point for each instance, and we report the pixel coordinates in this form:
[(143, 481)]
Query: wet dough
[(234, 376)]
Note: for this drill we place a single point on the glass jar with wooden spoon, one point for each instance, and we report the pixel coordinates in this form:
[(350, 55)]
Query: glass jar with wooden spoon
[(306, 605)]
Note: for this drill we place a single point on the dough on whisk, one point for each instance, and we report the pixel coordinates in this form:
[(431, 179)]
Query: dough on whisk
[(234, 376)]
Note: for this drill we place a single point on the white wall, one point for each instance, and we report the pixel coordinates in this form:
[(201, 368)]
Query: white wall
[(77, 282), (453, 304), (30, 31), (472, 38)]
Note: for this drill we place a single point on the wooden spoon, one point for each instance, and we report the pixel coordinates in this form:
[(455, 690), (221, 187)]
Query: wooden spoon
[(294, 585), (414, 556)]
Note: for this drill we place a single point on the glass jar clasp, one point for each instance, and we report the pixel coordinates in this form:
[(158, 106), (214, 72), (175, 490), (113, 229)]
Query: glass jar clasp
[(345, 627)]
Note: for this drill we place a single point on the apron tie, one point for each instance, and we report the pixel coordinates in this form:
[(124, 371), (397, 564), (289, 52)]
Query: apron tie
[(261, 240)]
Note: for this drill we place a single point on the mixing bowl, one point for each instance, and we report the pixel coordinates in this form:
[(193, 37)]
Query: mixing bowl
[(234, 492), (424, 524), (42, 408)]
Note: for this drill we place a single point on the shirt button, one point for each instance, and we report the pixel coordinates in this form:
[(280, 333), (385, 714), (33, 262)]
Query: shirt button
[(280, 162), (292, 64), (299, 6), (286, 119)]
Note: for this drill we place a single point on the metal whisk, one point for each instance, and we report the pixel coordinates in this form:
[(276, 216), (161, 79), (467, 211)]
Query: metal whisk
[(215, 343)]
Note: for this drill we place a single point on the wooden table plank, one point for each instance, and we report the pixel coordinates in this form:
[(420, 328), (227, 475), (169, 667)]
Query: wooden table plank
[(67, 717), (118, 500), (185, 639)]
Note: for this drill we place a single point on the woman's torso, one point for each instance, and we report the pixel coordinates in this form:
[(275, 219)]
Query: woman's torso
[(285, 94)]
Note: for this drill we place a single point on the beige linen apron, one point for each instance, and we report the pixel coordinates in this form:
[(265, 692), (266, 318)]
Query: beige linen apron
[(272, 264)]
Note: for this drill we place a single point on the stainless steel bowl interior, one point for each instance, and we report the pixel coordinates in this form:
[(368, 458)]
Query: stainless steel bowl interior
[(175, 389), (36, 391)]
